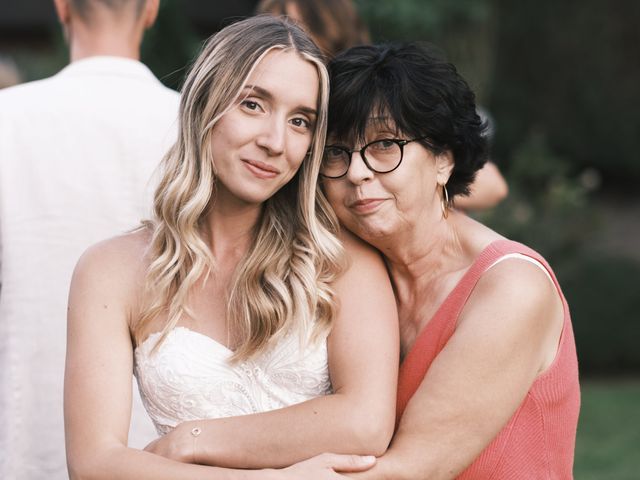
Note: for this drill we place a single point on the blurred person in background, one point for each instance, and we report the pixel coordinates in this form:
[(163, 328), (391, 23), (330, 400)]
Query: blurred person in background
[(488, 385), (77, 152), (335, 26)]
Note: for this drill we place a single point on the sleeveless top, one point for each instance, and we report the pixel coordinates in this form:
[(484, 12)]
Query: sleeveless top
[(189, 377), (538, 441)]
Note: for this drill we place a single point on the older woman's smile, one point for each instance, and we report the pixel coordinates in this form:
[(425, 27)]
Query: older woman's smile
[(366, 205)]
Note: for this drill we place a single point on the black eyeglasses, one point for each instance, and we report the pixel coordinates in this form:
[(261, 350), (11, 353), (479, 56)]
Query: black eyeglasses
[(381, 156)]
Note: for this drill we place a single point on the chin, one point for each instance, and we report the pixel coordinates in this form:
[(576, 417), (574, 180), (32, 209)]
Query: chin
[(368, 231), (255, 196)]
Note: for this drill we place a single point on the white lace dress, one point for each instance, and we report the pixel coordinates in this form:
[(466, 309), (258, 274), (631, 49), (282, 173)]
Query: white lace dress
[(189, 378)]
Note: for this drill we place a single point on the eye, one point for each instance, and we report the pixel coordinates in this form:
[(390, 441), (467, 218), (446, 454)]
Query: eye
[(251, 105), (301, 122), (383, 145), (334, 153)]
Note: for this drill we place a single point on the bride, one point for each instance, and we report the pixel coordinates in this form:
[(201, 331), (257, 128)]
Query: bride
[(260, 335)]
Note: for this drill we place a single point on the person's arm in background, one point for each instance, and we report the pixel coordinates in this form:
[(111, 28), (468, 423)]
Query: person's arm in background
[(488, 189), (358, 418)]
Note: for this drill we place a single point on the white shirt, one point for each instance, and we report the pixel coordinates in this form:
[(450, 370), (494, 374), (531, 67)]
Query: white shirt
[(77, 153)]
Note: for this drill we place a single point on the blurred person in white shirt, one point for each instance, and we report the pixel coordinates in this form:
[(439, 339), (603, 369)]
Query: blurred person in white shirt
[(77, 155)]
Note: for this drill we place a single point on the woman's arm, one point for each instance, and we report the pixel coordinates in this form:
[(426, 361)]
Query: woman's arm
[(97, 403), (507, 335), (357, 418), (97, 393), (487, 190)]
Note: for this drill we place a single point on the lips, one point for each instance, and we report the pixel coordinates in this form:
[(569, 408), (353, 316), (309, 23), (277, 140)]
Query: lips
[(366, 205), (261, 169)]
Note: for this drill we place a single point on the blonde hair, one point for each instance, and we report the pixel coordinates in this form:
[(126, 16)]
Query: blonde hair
[(284, 280)]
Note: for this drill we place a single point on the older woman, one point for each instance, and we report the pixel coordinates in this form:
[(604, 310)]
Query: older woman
[(489, 381)]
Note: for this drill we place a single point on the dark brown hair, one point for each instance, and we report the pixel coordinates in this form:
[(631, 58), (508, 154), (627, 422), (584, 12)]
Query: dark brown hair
[(333, 24)]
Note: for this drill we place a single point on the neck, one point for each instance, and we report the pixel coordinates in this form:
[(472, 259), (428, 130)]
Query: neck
[(228, 230), (108, 38), (420, 255)]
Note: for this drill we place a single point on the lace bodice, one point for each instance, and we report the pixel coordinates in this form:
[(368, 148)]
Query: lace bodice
[(189, 377)]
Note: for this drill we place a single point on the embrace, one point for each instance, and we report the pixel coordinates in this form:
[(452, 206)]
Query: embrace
[(306, 302)]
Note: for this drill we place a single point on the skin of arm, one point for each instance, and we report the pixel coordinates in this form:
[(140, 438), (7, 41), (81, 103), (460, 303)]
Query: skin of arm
[(506, 336), (97, 395), (358, 418), (487, 190)]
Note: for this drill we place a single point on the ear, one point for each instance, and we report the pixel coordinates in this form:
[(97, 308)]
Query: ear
[(444, 167), (63, 11), (150, 12)]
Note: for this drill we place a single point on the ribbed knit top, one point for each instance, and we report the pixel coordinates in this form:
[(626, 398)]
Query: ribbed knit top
[(538, 441)]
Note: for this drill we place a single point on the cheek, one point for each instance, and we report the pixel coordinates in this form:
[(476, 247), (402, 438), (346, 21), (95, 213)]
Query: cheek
[(333, 193), (298, 152)]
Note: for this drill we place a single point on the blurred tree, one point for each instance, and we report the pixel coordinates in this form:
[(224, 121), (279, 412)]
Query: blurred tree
[(171, 45), (464, 30), (547, 207), (571, 69)]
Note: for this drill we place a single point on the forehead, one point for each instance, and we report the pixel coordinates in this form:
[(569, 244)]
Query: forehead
[(288, 77), (377, 122)]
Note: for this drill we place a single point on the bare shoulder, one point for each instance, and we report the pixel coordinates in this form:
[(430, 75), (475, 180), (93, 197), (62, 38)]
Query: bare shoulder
[(358, 251), (519, 279), (117, 263), (517, 297)]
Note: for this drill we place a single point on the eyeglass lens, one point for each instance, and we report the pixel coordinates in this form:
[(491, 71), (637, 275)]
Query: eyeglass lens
[(381, 156)]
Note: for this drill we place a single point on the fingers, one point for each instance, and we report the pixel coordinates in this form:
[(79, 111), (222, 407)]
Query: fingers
[(348, 463)]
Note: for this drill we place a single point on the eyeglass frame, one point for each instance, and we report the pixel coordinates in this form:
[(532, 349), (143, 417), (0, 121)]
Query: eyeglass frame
[(397, 141)]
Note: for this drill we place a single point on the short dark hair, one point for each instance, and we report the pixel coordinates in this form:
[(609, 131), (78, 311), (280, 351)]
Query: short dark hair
[(420, 93)]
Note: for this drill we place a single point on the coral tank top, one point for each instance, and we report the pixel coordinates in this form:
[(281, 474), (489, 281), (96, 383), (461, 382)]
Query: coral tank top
[(538, 441)]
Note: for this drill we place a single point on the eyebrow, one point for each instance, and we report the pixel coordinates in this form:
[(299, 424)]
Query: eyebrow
[(267, 95)]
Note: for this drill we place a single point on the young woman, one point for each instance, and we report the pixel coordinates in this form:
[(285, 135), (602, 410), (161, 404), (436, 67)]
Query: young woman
[(258, 340)]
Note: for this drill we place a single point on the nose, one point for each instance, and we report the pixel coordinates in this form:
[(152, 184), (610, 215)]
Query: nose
[(358, 171), (273, 136)]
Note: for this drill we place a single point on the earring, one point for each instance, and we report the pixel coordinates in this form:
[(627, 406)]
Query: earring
[(445, 204)]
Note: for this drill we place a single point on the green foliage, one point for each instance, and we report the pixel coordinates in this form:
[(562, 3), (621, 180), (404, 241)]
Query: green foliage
[(602, 291), (571, 69), (419, 19), (39, 64), (547, 208), (608, 433), (170, 45), (463, 30)]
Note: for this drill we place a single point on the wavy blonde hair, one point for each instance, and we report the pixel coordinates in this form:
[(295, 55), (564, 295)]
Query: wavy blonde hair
[(284, 280)]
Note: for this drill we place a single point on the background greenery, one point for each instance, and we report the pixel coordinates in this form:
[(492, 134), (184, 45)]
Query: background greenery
[(608, 434)]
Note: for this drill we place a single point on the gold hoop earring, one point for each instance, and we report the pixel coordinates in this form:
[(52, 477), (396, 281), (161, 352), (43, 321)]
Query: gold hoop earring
[(445, 204)]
